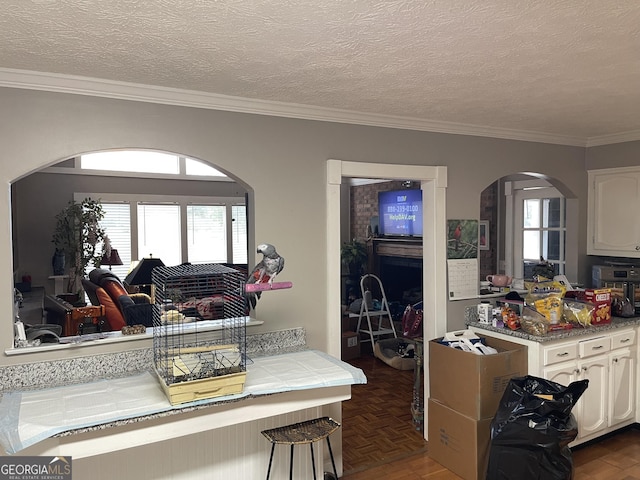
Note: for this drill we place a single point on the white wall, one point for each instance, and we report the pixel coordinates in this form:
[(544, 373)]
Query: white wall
[(282, 160)]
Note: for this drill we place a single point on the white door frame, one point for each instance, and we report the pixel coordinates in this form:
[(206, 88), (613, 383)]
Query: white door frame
[(433, 182)]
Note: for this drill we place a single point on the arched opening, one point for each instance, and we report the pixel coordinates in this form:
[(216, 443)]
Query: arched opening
[(38, 196), (528, 216)]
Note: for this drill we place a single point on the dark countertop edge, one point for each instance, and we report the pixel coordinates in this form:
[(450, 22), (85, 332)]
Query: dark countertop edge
[(616, 323)]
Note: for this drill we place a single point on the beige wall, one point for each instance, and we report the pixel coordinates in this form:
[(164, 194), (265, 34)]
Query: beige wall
[(625, 154), (282, 160)]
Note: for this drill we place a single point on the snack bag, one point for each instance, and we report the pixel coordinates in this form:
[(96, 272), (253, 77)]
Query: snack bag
[(579, 313), (510, 317), (546, 299)]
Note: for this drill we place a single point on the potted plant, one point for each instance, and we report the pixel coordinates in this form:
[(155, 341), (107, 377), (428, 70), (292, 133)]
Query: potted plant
[(78, 234), (354, 256)]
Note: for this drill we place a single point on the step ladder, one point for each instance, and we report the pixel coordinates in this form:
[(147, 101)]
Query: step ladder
[(381, 317)]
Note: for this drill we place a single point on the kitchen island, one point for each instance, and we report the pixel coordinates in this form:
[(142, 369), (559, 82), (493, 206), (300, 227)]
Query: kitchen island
[(606, 355)]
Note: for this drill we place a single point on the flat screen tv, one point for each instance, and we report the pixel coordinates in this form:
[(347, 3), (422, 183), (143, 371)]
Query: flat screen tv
[(400, 213)]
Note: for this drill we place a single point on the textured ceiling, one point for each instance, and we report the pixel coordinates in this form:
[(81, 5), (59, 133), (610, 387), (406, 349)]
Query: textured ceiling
[(560, 67)]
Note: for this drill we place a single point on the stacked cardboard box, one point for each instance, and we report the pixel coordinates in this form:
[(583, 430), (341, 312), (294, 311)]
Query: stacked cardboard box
[(350, 346), (465, 390), (350, 339)]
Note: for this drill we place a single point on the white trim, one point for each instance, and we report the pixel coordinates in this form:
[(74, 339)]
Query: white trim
[(622, 137), (433, 183), (72, 84)]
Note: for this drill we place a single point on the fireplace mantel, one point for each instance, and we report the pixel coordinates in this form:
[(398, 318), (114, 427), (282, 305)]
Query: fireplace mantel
[(397, 247)]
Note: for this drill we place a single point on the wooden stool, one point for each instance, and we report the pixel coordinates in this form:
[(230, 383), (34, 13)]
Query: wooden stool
[(299, 433)]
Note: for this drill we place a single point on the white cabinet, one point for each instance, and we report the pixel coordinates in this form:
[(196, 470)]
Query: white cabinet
[(613, 226), (592, 408), (584, 361), (608, 362), (622, 377)]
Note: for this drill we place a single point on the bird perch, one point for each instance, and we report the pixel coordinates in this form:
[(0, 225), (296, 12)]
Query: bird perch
[(261, 287)]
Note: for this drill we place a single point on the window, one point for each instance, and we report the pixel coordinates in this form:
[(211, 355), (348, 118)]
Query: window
[(144, 161), (117, 225), (239, 233), (543, 233), (176, 229), (150, 227), (159, 232), (131, 161), (194, 167), (539, 229), (207, 233)]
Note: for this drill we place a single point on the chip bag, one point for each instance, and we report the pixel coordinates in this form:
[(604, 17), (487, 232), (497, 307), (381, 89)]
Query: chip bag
[(546, 299)]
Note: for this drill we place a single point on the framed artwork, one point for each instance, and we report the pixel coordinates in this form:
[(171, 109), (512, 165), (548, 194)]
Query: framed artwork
[(462, 239), (483, 235)]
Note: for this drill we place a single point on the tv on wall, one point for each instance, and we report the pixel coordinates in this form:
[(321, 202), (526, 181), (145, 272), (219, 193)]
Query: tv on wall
[(400, 213)]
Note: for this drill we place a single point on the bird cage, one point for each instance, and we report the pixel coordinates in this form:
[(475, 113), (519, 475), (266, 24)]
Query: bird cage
[(199, 335)]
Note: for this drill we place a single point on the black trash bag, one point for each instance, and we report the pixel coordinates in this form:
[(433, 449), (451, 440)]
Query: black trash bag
[(532, 429)]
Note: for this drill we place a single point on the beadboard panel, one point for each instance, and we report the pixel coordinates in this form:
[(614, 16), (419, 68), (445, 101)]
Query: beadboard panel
[(238, 451)]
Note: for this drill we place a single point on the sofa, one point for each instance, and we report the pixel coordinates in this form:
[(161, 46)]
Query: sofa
[(103, 287)]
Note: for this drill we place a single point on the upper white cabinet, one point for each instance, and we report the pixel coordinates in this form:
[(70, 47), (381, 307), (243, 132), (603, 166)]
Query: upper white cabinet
[(614, 212)]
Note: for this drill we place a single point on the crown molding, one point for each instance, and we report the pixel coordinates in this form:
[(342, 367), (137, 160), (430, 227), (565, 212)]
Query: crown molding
[(51, 82), (631, 136)]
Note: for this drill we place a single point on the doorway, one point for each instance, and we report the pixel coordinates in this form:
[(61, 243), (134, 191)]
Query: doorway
[(433, 182)]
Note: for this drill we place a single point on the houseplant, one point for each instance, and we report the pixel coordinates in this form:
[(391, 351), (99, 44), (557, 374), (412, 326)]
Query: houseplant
[(354, 256), (78, 234)]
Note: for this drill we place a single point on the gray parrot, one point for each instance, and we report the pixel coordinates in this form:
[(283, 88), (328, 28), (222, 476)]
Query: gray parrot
[(266, 270)]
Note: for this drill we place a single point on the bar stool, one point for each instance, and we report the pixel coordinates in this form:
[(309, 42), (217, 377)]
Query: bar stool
[(300, 433)]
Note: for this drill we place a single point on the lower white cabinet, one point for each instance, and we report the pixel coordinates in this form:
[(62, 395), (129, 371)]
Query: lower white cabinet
[(622, 389), (608, 362), (591, 411)]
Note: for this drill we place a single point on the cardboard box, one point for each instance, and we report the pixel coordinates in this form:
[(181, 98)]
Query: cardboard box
[(473, 384), (349, 324), (598, 297), (350, 345), (458, 442)]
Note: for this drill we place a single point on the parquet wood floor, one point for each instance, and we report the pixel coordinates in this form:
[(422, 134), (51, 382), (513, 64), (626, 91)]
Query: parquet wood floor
[(377, 426), (381, 443)]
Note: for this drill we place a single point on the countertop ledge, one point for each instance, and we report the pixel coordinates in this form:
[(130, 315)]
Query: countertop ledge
[(616, 323), (287, 372)]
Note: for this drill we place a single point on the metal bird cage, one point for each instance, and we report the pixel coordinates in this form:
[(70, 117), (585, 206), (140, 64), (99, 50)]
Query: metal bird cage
[(199, 335)]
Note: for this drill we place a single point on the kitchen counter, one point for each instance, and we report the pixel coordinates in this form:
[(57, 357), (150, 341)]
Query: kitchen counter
[(471, 320), (615, 324)]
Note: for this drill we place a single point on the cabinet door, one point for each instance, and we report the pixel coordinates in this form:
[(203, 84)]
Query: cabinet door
[(613, 225), (562, 373), (592, 407), (622, 386)]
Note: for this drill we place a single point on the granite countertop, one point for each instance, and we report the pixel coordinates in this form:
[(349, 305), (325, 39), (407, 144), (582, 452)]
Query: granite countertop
[(616, 323)]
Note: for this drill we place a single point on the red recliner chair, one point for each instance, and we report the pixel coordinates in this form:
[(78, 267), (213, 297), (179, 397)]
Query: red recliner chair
[(103, 287)]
